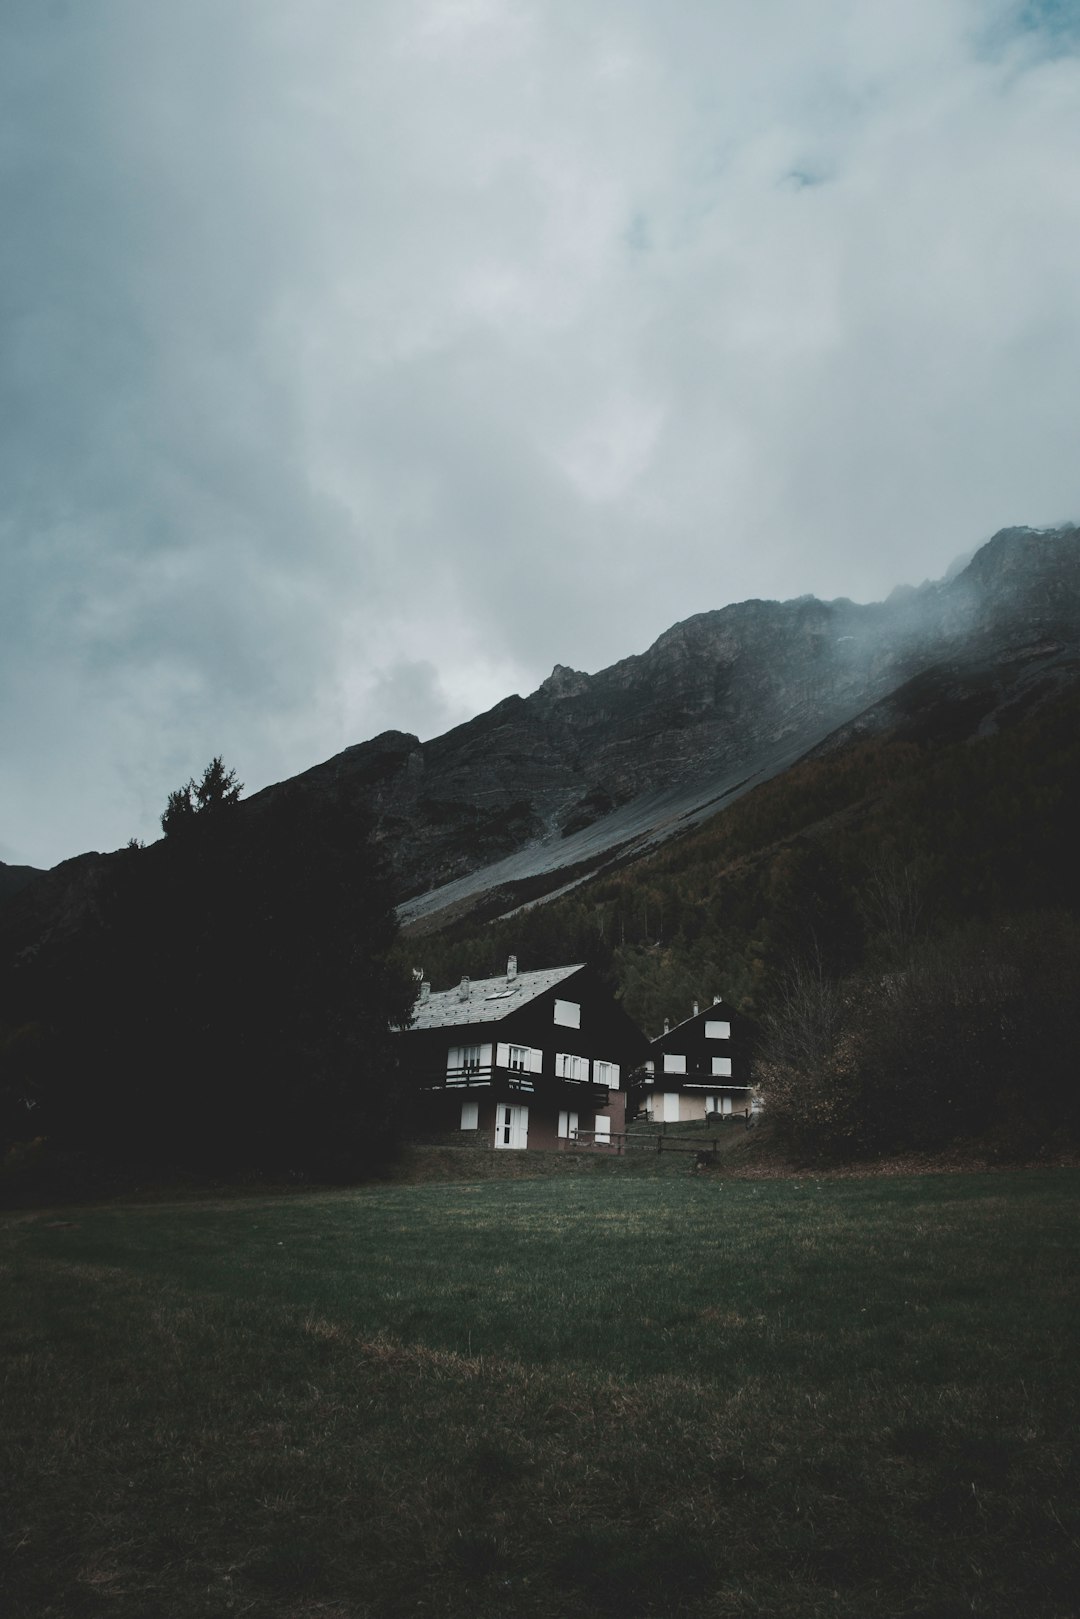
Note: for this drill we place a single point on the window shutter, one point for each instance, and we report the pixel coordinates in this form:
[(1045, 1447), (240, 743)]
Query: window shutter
[(537, 1060), (502, 1055), (485, 1056), (453, 1058), (614, 1076)]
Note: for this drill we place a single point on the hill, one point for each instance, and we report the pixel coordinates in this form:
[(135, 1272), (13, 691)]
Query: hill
[(13, 879), (544, 789)]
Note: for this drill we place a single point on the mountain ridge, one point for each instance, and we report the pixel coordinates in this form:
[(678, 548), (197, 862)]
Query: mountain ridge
[(541, 791), (566, 776)]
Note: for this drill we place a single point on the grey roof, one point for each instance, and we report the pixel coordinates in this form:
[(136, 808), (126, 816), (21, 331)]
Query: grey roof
[(489, 998), (718, 1009)]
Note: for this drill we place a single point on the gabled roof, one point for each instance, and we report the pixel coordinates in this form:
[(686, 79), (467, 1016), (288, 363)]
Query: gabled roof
[(718, 1010), (490, 999)]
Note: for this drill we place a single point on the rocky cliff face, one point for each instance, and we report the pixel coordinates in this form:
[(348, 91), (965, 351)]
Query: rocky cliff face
[(549, 783)]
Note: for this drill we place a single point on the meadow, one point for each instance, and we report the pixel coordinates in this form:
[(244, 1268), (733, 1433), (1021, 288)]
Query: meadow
[(610, 1393)]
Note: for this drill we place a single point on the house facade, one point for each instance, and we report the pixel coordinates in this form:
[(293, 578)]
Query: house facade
[(523, 1061), (700, 1069)]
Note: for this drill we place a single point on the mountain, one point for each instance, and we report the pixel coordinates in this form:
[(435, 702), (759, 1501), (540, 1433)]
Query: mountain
[(15, 878), (855, 822), (589, 769)]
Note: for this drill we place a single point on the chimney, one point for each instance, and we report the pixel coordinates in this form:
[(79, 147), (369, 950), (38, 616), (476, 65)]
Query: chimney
[(511, 969), (716, 1000), (667, 1025), (425, 990), (463, 990), (695, 1008)]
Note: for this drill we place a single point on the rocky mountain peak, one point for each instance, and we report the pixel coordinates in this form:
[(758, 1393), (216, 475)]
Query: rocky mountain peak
[(590, 763), (564, 682)]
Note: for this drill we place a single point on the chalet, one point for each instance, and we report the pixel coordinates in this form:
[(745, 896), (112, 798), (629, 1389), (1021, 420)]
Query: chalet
[(700, 1069), (526, 1060)]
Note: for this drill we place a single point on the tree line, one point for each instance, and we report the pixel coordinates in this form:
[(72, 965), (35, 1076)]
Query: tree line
[(223, 1000)]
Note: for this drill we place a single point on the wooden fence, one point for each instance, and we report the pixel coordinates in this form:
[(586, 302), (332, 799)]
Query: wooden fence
[(703, 1147)]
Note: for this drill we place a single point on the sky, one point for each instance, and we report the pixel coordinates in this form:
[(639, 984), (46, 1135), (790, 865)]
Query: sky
[(362, 359)]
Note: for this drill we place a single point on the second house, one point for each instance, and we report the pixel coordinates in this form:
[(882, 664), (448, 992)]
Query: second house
[(700, 1069)]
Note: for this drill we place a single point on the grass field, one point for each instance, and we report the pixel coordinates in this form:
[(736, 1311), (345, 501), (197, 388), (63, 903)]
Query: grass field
[(604, 1394)]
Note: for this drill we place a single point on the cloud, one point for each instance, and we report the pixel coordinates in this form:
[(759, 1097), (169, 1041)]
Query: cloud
[(363, 361)]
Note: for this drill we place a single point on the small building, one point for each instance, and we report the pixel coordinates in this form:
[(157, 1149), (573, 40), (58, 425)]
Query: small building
[(700, 1069), (525, 1060)]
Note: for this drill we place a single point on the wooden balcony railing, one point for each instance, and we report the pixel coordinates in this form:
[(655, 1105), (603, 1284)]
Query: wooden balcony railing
[(481, 1076)]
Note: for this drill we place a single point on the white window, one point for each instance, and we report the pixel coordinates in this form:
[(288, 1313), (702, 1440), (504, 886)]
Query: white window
[(463, 1061), (568, 1126), (568, 1013), (602, 1136), (606, 1073), (674, 1063), (721, 1067), (520, 1059), (569, 1066), (470, 1115), (717, 1031)]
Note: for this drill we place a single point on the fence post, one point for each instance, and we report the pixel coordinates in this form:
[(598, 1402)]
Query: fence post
[(659, 1145)]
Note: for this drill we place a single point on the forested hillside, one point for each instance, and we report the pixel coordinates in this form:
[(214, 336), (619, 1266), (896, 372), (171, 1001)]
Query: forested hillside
[(907, 909)]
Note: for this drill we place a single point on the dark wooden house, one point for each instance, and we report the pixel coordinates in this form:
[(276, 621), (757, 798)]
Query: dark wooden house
[(526, 1060), (700, 1069)]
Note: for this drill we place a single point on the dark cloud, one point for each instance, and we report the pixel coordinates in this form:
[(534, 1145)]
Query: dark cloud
[(360, 362)]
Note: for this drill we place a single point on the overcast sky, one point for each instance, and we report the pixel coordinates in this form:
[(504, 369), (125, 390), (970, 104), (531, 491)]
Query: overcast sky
[(359, 361)]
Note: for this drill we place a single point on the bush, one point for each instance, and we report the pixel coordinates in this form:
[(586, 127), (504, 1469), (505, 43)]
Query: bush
[(976, 1031)]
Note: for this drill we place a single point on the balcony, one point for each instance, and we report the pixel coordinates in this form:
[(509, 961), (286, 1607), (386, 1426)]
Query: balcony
[(479, 1077), (697, 1078)]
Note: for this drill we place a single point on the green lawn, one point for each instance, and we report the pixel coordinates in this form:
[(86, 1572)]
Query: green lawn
[(612, 1393)]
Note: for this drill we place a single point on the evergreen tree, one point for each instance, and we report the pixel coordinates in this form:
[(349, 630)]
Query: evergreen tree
[(226, 1003)]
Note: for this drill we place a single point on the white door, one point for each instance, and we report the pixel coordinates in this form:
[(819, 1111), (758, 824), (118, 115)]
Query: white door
[(725, 1104), (511, 1126), (671, 1107)]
